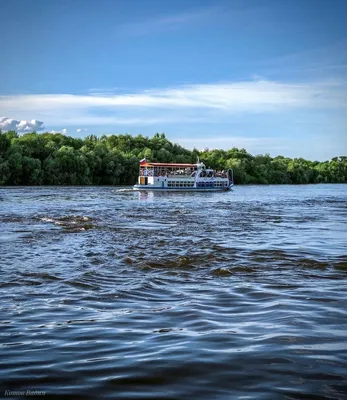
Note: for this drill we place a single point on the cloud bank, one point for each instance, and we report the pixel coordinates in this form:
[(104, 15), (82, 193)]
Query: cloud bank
[(8, 124), (181, 104)]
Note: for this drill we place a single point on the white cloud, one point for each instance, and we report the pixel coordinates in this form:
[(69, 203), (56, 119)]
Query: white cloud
[(64, 131), (8, 124), (82, 130), (252, 96), (188, 103)]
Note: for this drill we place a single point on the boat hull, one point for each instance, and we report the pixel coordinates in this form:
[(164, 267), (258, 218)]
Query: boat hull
[(178, 189)]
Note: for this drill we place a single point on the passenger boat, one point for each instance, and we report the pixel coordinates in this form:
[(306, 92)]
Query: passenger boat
[(182, 177)]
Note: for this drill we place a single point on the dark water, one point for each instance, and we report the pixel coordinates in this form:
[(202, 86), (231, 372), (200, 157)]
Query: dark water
[(108, 293)]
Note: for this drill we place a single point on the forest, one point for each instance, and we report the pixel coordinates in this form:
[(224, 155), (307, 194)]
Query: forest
[(56, 159)]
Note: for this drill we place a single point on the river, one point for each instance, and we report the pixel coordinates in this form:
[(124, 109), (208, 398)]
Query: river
[(114, 294)]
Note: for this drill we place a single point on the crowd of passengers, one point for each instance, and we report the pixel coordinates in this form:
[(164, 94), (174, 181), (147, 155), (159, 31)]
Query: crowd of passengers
[(165, 172), (214, 174)]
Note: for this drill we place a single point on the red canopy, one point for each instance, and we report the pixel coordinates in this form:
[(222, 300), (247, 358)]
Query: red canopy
[(153, 164)]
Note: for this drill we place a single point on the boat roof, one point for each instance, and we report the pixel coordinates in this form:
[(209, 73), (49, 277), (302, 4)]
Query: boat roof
[(156, 164)]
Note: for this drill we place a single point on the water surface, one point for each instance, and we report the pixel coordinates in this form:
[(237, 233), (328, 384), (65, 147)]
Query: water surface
[(115, 294)]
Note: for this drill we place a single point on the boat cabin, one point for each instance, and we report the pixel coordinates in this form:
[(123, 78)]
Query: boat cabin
[(169, 176)]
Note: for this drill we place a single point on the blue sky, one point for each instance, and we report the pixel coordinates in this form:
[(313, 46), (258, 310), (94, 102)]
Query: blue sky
[(266, 75)]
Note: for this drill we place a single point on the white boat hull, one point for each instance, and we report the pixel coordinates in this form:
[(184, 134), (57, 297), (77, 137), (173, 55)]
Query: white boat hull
[(178, 189)]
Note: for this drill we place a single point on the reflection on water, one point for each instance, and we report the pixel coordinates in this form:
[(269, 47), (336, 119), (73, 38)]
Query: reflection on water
[(111, 293)]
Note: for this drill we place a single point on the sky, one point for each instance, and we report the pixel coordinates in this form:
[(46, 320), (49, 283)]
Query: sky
[(269, 76)]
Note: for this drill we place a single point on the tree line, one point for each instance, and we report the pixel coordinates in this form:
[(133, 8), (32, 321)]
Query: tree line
[(56, 159)]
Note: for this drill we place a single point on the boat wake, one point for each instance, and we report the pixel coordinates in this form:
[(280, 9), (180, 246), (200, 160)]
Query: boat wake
[(124, 190)]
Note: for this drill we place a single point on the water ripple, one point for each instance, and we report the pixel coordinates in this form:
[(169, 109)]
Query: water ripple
[(109, 293)]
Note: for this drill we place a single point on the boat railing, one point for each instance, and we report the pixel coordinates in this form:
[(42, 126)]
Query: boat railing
[(179, 176)]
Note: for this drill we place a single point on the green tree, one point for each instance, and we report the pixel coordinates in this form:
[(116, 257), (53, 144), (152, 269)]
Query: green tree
[(56, 159), (5, 173), (32, 173)]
